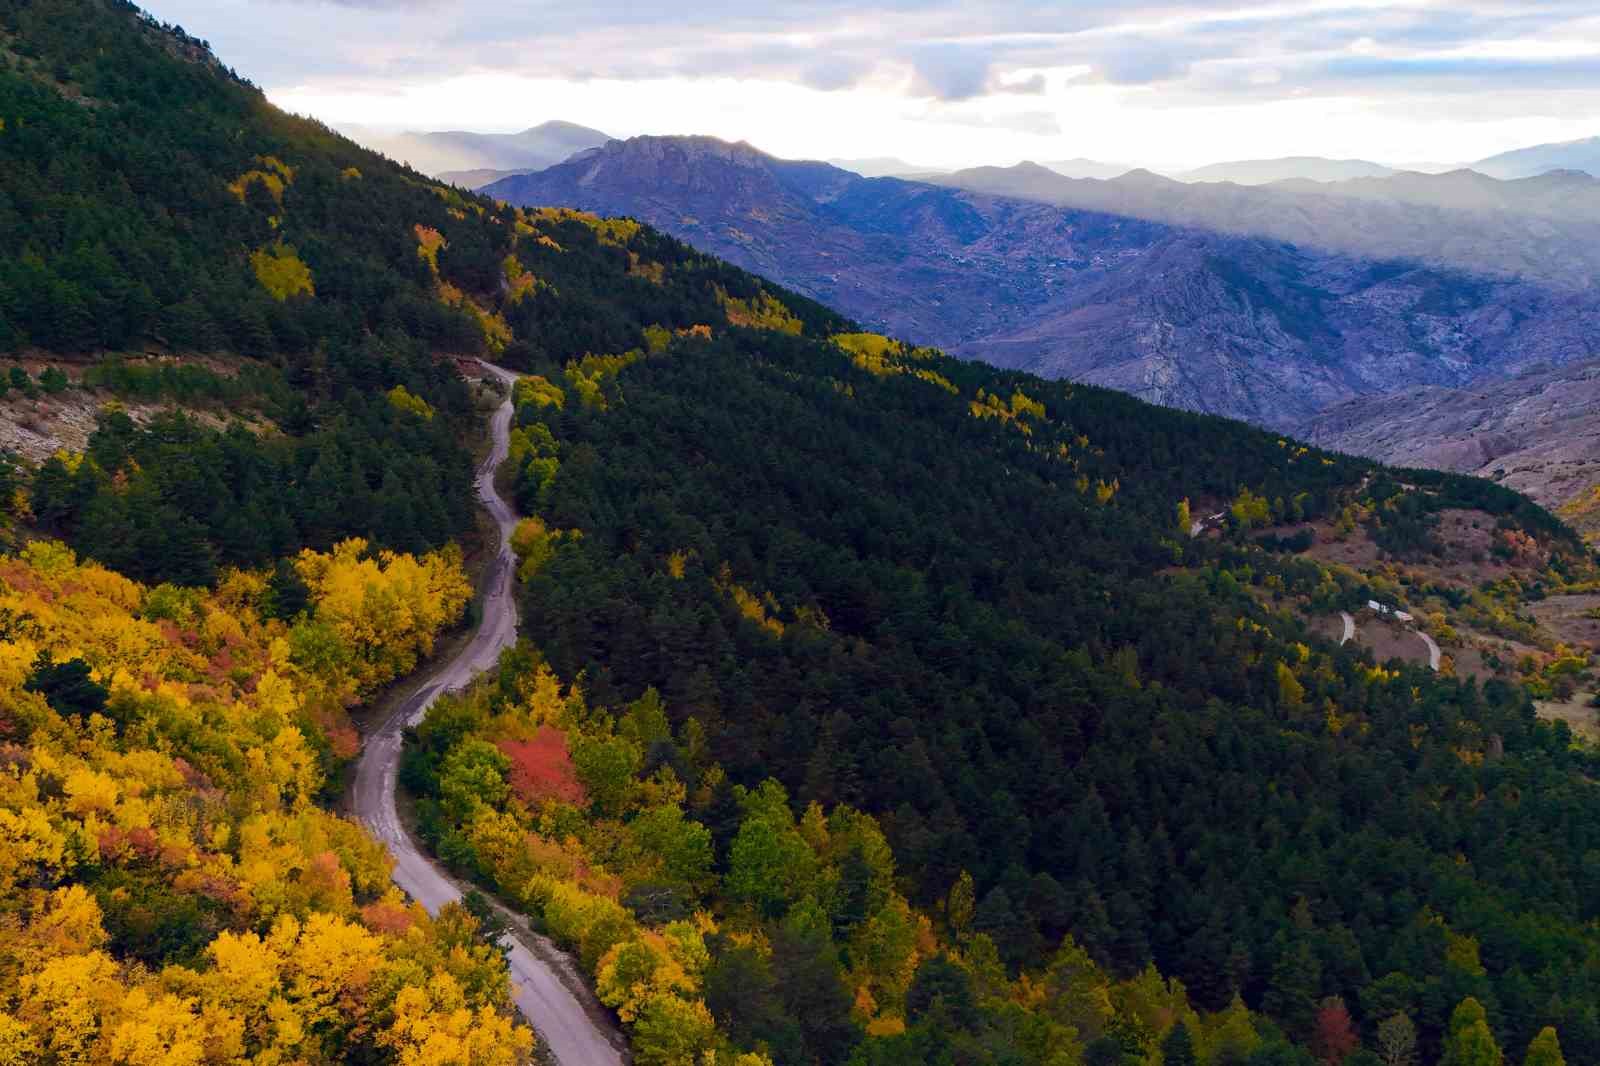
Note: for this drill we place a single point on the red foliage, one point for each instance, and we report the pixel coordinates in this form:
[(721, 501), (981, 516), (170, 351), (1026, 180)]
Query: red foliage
[(1333, 1035), (386, 917), (139, 846), (541, 769)]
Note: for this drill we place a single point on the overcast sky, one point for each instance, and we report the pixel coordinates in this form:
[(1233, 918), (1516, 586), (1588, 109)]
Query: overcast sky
[(1163, 83)]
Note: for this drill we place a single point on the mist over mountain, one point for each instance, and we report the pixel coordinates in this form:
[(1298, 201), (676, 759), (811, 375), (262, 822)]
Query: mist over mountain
[(1266, 171), (1086, 168), (885, 167), (1126, 286), (1583, 154), (453, 151)]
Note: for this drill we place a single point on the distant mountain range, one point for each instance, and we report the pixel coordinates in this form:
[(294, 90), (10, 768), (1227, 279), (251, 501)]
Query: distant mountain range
[(476, 159), (1541, 158), (1087, 168), (465, 157), (1461, 220), (1219, 298), (885, 167), (1292, 168)]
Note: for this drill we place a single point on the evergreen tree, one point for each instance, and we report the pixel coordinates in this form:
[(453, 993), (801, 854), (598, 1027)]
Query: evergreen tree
[(1178, 1048)]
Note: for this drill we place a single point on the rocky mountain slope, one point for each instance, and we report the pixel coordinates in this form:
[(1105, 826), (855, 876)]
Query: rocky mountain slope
[(1546, 229), (1234, 323), (1538, 433)]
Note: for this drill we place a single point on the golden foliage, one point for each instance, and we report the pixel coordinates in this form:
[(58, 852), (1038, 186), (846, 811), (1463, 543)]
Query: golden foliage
[(613, 231), (1021, 406), (403, 400), (496, 331), (762, 610), (429, 241), (534, 544), (274, 176), (520, 282), (761, 311), (587, 375), (384, 610), (281, 273), (655, 273), (204, 788), (538, 391)]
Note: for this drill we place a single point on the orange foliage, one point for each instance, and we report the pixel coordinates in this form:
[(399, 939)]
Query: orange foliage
[(542, 770)]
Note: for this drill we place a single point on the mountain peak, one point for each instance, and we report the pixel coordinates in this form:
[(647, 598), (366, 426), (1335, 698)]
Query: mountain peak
[(1139, 176)]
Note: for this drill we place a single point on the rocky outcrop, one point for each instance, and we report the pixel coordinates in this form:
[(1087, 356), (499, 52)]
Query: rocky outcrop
[(1538, 433)]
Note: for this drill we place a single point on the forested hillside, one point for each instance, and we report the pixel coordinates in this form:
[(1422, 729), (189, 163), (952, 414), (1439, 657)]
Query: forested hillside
[(795, 581), (154, 206), (875, 707), (257, 319)]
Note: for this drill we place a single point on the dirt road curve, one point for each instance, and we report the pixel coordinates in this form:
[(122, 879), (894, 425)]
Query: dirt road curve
[(1434, 655), (1349, 627), (547, 989)]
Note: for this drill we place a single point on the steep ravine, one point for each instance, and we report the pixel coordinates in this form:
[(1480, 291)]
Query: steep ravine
[(547, 986)]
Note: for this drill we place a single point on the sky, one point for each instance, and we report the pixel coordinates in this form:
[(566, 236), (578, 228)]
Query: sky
[(1167, 84)]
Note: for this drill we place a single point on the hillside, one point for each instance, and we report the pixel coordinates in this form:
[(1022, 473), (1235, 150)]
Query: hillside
[(774, 543), (1239, 325), (1538, 433), (269, 302)]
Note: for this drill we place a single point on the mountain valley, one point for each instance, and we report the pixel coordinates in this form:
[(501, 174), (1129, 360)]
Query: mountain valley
[(1124, 286), (566, 624)]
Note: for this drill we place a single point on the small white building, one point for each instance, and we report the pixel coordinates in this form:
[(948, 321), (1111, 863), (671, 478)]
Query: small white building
[(1394, 612)]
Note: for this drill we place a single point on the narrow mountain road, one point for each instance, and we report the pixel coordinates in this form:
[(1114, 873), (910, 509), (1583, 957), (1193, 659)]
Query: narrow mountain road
[(547, 987), (1433, 650), (1349, 628)]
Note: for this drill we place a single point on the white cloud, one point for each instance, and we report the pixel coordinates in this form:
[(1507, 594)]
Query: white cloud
[(1176, 82)]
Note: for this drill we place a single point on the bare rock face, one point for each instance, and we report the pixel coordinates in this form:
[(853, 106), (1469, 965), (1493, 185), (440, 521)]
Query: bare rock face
[(1538, 433), (1229, 312)]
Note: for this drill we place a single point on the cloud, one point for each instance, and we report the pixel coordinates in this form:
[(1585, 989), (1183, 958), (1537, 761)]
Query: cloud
[(1034, 123), (1408, 60), (369, 5), (1031, 86), (952, 71)]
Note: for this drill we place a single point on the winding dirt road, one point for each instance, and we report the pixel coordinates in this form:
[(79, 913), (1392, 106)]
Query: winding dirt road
[(1434, 654), (547, 987)]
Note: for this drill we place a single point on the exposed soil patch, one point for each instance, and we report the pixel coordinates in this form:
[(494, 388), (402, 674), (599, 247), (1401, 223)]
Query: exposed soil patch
[(1388, 640), (1583, 719), (1567, 617), (1329, 626), (1467, 536)]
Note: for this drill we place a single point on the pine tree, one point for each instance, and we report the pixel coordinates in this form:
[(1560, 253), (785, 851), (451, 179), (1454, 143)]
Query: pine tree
[(1178, 1048), (1292, 989)]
